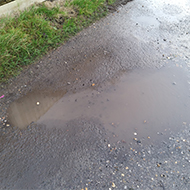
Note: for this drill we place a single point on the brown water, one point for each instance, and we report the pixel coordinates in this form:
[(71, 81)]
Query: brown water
[(31, 107), (143, 101)]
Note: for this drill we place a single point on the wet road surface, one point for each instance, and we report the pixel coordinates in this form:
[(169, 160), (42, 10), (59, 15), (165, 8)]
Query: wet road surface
[(116, 111)]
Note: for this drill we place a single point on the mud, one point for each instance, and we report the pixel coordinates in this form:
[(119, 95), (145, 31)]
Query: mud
[(3, 2), (123, 122)]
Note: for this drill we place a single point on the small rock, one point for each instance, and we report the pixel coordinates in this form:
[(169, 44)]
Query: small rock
[(113, 184), (37, 103), (174, 83)]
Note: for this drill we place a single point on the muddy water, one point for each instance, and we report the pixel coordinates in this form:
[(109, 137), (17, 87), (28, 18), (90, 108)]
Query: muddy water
[(142, 101), (30, 107)]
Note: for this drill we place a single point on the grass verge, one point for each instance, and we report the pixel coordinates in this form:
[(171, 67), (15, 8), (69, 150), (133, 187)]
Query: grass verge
[(33, 32)]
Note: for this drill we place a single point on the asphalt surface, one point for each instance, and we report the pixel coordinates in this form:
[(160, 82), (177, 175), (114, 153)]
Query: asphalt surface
[(63, 121)]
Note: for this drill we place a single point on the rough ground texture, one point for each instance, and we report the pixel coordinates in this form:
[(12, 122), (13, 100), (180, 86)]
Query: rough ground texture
[(141, 34)]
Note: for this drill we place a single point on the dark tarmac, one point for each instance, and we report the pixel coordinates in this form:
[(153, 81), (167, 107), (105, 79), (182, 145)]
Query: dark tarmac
[(107, 110)]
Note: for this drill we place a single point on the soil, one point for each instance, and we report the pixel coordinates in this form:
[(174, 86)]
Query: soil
[(3, 2)]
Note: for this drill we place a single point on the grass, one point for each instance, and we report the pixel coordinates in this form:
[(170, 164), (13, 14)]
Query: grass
[(26, 37)]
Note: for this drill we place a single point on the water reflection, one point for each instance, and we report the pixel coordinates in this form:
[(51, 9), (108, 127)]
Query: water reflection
[(30, 107)]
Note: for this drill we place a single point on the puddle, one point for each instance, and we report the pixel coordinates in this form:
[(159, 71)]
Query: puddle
[(147, 21), (142, 101), (30, 107)]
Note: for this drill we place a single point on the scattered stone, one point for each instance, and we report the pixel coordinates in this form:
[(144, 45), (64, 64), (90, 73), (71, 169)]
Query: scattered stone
[(113, 184)]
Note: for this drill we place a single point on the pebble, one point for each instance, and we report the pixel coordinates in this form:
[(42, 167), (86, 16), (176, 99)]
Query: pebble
[(113, 184), (37, 103)]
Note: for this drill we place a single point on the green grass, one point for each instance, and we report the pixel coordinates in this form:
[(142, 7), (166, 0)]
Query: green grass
[(26, 37)]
